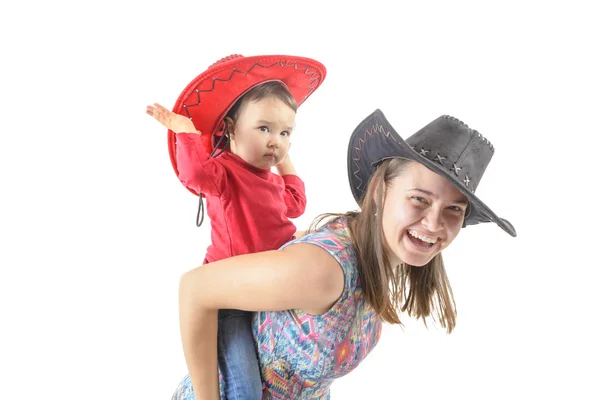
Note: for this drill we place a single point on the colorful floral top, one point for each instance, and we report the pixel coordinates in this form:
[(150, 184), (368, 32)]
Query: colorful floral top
[(300, 355)]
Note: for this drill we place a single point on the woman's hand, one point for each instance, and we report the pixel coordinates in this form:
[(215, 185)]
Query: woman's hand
[(175, 122)]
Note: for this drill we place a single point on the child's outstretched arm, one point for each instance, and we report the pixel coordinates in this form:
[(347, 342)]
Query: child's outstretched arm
[(170, 120), (196, 169), (295, 195), (301, 276)]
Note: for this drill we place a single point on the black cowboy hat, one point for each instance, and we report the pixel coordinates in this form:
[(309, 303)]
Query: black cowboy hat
[(446, 146)]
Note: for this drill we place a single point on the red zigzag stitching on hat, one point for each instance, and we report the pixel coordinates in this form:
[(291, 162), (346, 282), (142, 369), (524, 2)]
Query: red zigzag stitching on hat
[(316, 79)]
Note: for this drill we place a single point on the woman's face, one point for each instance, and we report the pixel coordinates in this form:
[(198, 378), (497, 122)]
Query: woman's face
[(422, 214)]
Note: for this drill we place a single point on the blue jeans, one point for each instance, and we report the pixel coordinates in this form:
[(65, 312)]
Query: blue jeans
[(238, 361)]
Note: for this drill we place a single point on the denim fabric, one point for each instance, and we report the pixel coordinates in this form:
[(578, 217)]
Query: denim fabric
[(238, 363)]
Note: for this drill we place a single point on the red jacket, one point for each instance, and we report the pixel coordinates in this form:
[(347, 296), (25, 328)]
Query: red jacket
[(249, 208)]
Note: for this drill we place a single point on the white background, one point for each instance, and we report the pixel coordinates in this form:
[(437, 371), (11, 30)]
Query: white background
[(97, 230)]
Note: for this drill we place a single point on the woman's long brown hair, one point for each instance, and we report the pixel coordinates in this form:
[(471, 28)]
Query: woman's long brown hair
[(391, 289)]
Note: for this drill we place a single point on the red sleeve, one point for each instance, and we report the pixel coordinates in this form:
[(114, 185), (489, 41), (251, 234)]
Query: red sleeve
[(295, 196), (197, 170)]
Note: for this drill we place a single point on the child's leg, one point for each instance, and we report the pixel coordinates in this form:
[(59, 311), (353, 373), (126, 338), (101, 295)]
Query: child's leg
[(237, 356)]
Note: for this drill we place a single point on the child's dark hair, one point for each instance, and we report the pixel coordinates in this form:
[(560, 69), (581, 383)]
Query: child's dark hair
[(267, 89)]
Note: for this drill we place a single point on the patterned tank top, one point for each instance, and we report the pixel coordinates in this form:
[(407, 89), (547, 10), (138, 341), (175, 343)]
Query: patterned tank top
[(300, 355)]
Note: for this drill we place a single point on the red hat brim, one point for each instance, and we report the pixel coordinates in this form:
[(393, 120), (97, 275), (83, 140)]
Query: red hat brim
[(208, 97)]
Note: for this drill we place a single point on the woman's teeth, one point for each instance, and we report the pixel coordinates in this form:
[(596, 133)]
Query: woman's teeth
[(424, 238)]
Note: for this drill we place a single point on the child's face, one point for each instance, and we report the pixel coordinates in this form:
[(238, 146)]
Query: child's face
[(261, 135)]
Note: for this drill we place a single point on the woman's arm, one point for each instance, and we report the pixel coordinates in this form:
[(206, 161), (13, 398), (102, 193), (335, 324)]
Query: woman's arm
[(302, 276)]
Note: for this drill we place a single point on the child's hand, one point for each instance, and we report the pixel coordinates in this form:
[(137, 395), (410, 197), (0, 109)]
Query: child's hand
[(175, 122), (285, 167)]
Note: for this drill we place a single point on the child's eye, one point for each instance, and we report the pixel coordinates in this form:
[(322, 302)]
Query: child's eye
[(285, 133), (263, 129)]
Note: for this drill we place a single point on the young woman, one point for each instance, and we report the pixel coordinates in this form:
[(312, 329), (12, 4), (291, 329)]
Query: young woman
[(321, 299)]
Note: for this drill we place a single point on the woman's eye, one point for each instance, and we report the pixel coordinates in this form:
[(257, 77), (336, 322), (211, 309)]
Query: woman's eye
[(457, 209), (419, 199)]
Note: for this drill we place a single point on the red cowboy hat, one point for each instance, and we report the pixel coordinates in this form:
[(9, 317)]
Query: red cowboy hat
[(211, 94)]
